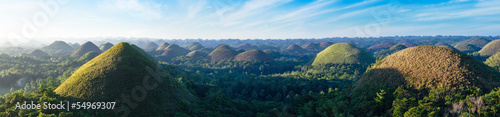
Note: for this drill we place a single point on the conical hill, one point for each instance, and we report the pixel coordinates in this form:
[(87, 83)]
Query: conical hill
[(491, 48), (343, 53), (494, 61), (162, 47), (124, 74), (38, 54), (467, 48), (424, 67), (150, 46), (106, 46), (87, 47), (253, 55), (196, 54), (222, 53), (59, 45)]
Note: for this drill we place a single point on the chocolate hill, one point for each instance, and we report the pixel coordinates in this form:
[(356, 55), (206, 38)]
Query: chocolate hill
[(386, 45), (343, 53), (126, 71), (222, 53), (162, 47), (466, 48), (150, 46), (196, 54), (87, 47), (253, 55), (425, 67), (491, 48), (105, 46)]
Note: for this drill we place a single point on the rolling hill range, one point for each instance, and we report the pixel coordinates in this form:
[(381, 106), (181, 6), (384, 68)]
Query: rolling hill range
[(120, 71), (424, 67), (466, 48)]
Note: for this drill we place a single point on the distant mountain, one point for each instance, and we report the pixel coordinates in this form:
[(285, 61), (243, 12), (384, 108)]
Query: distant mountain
[(150, 46), (162, 47), (59, 45), (312, 46), (38, 54), (325, 44), (386, 45), (478, 42)]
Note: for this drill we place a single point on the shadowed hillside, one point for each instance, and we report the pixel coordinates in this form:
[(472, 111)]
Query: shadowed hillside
[(466, 48), (106, 46)]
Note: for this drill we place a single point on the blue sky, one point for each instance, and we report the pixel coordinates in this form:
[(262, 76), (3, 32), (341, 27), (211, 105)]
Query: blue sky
[(246, 19)]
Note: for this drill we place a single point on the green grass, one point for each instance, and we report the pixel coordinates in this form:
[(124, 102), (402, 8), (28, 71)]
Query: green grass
[(491, 48), (343, 53), (494, 61), (429, 67), (106, 46), (162, 47), (196, 54)]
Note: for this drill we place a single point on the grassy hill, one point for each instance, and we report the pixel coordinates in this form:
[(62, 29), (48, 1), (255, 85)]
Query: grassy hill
[(294, 48), (162, 47), (105, 46), (59, 45), (343, 53), (222, 53), (424, 67), (196, 54), (311, 46), (466, 48), (87, 47), (196, 47), (253, 55), (175, 48), (192, 44), (38, 54), (393, 49), (150, 46), (117, 73), (491, 48), (407, 44)]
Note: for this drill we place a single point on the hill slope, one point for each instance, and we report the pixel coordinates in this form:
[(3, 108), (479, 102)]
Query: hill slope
[(150, 46), (343, 53), (196, 54), (119, 72), (466, 48), (478, 42), (87, 47), (428, 67), (38, 54), (494, 61), (162, 47), (491, 48), (386, 45), (59, 45), (253, 55)]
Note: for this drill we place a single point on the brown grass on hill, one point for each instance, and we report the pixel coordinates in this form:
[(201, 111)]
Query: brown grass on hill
[(429, 67)]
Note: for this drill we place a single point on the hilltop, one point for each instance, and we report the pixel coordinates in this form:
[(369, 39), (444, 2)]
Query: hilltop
[(343, 53), (38, 54), (59, 45), (177, 49), (192, 44), (117, 73), (150, 46), (87, 47), (222, 53), (311, 46), (162, 47), (294, 48), (106, 46), (466, 48), (393, 49), (325, 44), (491, 48), (253, 55), (430, 67)]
